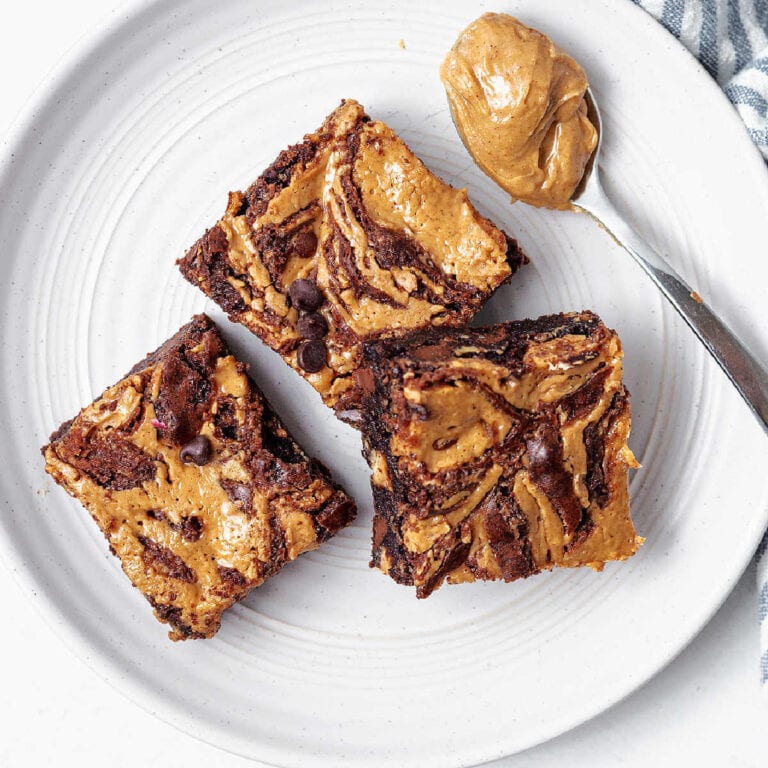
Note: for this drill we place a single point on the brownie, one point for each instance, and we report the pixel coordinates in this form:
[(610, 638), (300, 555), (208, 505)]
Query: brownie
[(498, 452), (347, 237), (194, 481)]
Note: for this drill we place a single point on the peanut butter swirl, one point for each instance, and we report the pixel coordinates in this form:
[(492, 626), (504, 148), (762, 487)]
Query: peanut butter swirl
[(390, 246), (518, 104), (194, 535), (498, 452)]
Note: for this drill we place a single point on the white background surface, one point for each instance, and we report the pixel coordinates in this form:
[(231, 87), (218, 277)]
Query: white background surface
[(705, 709)]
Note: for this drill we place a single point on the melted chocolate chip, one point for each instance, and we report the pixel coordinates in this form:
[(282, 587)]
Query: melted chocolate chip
[(311, 356), (305, 295), (312, 326), (305, 244), (196, 451)]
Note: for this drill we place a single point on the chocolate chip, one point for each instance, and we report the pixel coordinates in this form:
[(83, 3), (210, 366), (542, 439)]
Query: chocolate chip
[(312, 326), (311, 356), (441, 443), (305, 295), (197, 451), (305, 244)]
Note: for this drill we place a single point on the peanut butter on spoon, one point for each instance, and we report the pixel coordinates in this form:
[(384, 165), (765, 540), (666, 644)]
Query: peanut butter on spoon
[(518, 104)]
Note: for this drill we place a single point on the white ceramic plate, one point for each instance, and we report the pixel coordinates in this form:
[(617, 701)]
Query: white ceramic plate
[(124, 159)]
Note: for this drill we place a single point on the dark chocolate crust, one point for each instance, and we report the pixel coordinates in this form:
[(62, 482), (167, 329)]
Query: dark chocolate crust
[(165, 516), (494, 540)]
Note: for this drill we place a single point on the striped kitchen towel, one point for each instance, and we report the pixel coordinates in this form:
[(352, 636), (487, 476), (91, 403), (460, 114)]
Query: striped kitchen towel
[(762, 585), (730, 38)]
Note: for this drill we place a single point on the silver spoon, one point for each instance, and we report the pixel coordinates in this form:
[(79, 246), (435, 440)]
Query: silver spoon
[(745, 372)]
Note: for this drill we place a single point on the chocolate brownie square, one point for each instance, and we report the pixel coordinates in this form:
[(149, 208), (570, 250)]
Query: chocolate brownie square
[(498, 452), (347, 236), (194, 481)]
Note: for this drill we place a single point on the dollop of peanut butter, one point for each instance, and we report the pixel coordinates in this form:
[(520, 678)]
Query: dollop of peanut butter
[(518, 104)]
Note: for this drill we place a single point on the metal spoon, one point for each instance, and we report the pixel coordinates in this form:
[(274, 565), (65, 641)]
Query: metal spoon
[(745, 372)]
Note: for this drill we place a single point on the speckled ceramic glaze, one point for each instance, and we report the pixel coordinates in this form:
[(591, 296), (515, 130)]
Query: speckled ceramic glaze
[(127, 155)]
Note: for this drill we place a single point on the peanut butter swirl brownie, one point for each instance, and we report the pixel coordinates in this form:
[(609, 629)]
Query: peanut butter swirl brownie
[(498, 452), (348, 237), (196, 484)]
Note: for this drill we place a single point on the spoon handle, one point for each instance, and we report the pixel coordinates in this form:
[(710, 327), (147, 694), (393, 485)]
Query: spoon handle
[(747, 374)]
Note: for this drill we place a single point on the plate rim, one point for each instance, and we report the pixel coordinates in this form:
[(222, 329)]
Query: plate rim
[(138, 692)]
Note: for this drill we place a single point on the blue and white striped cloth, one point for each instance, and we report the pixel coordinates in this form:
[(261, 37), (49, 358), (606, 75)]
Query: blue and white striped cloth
[(730, 38), (762, 585)]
